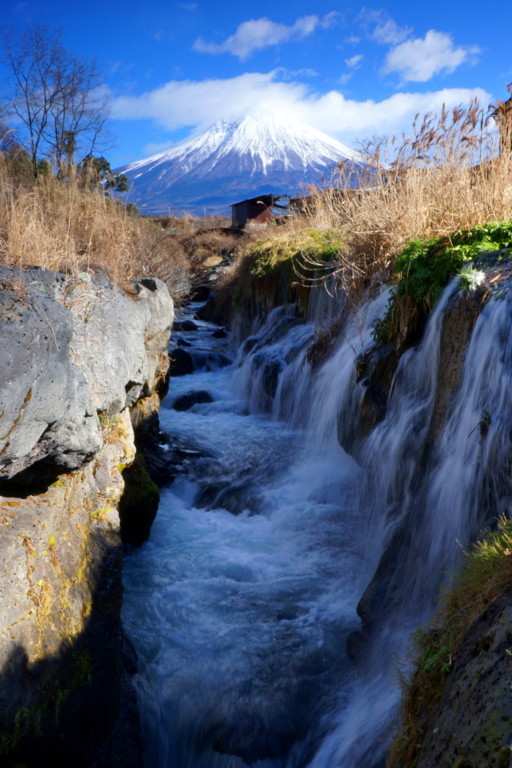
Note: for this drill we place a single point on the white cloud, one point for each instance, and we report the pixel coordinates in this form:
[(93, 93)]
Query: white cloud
[(285, 74), (256, 34), (383, 28), (420, 59), (389, 32), (355, 61), (196, 105)]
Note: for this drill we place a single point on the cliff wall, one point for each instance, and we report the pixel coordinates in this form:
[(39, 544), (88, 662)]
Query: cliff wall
[(78, 356)]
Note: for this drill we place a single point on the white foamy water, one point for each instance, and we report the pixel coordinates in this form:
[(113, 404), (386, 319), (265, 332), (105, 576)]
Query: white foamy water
[(240, 621)]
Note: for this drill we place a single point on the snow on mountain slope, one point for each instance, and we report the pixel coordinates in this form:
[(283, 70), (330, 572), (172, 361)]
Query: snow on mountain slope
[(234, 161)]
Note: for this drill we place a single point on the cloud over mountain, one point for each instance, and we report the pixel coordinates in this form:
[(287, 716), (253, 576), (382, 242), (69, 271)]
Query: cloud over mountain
[(192, 104)]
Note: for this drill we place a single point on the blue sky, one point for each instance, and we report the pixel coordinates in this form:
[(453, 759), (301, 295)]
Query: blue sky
[(353, 71)]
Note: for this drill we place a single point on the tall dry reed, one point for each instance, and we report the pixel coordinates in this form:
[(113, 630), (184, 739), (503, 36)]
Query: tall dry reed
[(454, 172), (71, 227)]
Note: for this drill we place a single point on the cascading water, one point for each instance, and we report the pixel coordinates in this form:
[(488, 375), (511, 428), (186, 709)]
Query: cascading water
[(241, 603)]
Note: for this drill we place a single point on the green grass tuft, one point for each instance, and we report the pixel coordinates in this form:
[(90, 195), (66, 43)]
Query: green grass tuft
[(425, 267)]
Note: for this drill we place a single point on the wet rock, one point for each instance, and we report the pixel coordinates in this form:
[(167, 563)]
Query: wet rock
[(458, 323), (207, 312), (210, 361), (271, 377), (168, 458), (249, 345), (181, 362), (369, 398), (377, 370), (200, 293), (220, 333), (186, 401), (183, 343), (251, 739), (237, 498), (139, 503), (384, 594), (184, 325)]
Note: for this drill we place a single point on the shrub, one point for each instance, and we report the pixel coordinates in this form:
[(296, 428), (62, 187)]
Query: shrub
[(424, 268)]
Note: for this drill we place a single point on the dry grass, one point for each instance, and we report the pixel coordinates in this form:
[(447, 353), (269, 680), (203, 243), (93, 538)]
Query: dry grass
[(189, 225), (206, 246), (71, 228), (447, 177)]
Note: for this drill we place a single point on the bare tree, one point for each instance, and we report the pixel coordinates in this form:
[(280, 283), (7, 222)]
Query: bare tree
[(55, 96)]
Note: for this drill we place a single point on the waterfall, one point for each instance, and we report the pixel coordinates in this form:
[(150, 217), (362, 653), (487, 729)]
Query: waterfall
[(243, 602)]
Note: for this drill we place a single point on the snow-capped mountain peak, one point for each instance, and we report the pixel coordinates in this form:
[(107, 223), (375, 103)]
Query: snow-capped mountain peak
[(233, 161)]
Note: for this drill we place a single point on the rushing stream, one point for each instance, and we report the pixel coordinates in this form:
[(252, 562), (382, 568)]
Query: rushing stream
[(241, 602)]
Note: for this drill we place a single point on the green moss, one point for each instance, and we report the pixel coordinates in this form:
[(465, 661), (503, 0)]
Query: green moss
[(30, 721), (425, 267), (108, 421), (305, 250), (139, 502), (283, 267)]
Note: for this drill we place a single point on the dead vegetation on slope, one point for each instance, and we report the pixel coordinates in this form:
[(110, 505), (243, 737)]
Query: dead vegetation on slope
[(73, 225), (448, 176)]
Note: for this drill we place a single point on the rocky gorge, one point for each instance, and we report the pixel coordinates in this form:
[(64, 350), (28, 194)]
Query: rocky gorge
[(319, 489)]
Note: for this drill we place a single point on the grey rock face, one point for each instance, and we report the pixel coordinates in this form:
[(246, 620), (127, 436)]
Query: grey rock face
[(71, 348), (472, 724), (75, 354)]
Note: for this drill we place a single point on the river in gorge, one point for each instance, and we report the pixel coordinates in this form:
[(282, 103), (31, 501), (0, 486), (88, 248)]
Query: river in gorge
[(241, 603)]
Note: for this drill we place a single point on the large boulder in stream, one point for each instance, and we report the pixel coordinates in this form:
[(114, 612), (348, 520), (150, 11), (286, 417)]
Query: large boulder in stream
[(184, 325), (186, 401), (181, 362)]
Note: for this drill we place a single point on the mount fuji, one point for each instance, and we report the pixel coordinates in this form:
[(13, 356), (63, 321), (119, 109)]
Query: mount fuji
[(232, 162)]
